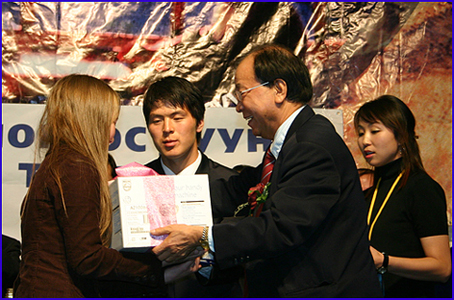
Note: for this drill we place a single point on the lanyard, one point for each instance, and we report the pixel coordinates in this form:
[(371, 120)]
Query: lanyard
[(374, 197)]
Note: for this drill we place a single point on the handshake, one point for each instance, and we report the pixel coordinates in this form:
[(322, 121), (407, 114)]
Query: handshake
[(181, 251)]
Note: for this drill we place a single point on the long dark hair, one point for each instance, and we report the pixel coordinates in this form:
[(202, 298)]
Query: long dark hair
[(395, 115)]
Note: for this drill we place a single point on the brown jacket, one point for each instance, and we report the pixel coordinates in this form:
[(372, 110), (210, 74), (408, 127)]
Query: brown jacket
[(62, 252)]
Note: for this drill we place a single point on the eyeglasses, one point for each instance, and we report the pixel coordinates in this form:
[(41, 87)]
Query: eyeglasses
[(239, 94)]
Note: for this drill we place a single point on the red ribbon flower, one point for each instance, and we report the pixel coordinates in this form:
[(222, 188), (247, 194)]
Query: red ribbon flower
[(257, 195)]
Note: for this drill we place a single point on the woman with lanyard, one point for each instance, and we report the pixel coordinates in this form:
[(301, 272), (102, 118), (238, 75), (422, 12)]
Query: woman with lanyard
[(407, 219)]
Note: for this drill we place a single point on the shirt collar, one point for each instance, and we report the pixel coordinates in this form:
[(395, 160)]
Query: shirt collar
[(189, 170), (281, 133)]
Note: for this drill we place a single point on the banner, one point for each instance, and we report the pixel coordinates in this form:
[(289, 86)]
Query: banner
[(226, 138)]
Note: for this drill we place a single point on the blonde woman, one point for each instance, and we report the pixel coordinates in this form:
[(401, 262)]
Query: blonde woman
[(66, 215)]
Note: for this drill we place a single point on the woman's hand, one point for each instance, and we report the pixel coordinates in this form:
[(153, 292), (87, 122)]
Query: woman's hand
[(435, 266), (377, 256)]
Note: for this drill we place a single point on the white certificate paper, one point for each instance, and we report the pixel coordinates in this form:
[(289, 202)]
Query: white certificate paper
[(142, 203)]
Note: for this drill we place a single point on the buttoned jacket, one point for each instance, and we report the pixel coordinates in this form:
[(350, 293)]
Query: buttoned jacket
[(310, 239)]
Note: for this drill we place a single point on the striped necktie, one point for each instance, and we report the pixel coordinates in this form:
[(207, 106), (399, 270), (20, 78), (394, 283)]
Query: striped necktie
[(268, 165)]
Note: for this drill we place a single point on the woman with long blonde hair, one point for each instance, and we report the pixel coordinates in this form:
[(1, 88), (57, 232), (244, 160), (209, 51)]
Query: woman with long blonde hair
[(67, 213)]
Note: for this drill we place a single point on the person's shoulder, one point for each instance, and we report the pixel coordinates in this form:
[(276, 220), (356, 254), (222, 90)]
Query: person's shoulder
[(309, 125), (322, 123), (219, 166), (318, 131), (155, 165), (74, 164), (215, 169), (152, 163), (423, 188), (422, 180), (9, 241), (421, 175)]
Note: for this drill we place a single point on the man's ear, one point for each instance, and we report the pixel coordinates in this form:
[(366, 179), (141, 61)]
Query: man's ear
[(200, 126), (280, 87)]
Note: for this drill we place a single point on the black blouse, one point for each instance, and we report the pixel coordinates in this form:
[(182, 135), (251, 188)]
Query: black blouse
[(412, 212)]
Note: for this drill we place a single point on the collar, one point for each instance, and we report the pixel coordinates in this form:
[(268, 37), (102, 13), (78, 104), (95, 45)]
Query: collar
[(189, 170), (282, 131), (390, 170)]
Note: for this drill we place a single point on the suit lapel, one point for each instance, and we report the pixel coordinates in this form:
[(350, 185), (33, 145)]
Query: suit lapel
[(299, 121), (156, 165), (204, 167)]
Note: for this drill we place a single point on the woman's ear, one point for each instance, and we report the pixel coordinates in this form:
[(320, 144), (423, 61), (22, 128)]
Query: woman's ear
[(280, 87)]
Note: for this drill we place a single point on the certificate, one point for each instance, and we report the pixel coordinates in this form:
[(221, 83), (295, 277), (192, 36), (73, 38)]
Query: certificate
[(142, 203)]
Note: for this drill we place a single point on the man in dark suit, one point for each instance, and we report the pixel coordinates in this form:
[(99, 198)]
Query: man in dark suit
[(174, 112), (310, 239)]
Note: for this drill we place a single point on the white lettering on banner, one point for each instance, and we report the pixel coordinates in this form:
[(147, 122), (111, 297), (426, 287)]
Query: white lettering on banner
[(226, 139)]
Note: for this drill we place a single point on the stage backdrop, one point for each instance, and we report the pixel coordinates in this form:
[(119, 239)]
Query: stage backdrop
[(355, 52), (226, 138)]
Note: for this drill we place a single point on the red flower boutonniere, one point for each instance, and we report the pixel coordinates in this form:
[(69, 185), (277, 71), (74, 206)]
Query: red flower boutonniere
[(256, 195)]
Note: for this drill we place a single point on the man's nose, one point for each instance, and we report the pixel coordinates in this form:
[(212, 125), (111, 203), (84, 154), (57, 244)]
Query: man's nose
[(239, 107), (168, 125)]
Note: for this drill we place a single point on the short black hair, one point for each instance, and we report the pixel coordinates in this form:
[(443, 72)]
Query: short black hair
[(273, 62), (176, 92)]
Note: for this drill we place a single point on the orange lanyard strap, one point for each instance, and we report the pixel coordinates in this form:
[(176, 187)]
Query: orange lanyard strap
[(374, 197)]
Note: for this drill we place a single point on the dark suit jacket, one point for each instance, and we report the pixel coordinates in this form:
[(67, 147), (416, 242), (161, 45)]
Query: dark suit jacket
[(311, 237), (188, 287), (10, 261)]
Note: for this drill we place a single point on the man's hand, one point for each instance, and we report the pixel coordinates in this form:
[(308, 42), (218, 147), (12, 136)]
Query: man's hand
[(182, 241)]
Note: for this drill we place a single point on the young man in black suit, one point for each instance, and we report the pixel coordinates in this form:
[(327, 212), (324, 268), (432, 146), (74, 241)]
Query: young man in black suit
[(174, 111), (310, 239)]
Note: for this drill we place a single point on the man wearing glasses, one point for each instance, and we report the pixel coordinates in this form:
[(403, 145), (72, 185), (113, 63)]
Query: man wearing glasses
[(308, 235)]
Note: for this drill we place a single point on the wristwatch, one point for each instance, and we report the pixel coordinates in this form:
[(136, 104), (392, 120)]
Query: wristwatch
[(384, 268), (204, 240)]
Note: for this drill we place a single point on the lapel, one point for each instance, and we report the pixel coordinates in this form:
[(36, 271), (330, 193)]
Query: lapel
[(299, 121), (156, 165), (204, 167)]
